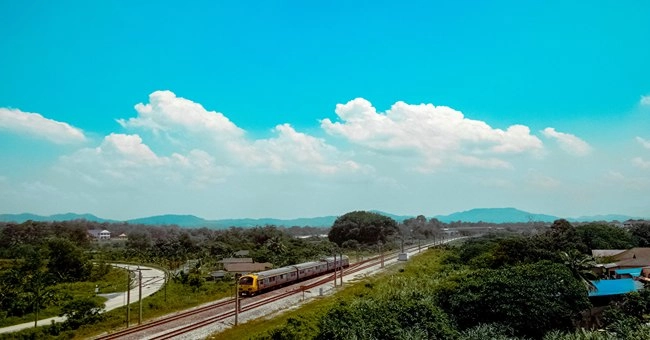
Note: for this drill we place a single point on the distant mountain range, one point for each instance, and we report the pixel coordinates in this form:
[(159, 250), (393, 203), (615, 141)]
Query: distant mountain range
[(489, 215)]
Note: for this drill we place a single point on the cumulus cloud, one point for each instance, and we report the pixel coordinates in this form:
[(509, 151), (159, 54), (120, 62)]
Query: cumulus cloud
[(168, 114), (645, 100), (35, 125), (568, 142), (644, 142), (439, 133), (127, 160), (190, 125), (295, 150)]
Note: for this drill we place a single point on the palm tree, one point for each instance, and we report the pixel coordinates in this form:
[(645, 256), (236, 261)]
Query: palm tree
[(581, 267), (276, 245)]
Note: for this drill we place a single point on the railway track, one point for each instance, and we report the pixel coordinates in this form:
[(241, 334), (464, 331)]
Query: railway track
[(225, 309)]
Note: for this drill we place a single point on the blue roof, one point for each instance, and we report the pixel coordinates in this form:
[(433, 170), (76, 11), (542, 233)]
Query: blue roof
[(615, 287), (632, 271)]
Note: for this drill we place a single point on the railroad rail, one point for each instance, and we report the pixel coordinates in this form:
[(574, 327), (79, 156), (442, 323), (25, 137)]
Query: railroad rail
[(132, 332)]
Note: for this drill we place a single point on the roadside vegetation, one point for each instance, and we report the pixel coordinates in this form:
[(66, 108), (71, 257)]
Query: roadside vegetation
[(500, 286)]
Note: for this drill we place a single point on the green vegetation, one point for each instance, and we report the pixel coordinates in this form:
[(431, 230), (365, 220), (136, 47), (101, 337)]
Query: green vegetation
[(52, 269), (498, 287), (363, 227), (527, 281)]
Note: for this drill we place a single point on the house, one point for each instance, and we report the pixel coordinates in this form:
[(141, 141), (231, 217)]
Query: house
[(634, 223), (632, 260), (234, 268), (222, 264), (602, 253), (246, 268), (99, 234)]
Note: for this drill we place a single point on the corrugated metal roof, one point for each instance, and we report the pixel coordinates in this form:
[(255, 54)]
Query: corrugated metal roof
[(236, 260), (606, 252), (631, 271), (615, 287), (247, 267)]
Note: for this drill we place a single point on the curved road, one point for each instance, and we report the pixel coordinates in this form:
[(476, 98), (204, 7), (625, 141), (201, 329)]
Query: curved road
[(152, 281)]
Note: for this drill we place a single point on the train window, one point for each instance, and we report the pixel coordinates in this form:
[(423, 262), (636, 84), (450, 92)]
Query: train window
[(246, 280)]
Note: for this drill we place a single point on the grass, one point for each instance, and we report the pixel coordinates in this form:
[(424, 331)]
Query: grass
[(178, 297), (112, 282), (308, 315)]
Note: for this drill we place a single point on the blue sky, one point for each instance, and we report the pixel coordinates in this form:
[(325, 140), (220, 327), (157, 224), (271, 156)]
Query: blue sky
[(291, 109)]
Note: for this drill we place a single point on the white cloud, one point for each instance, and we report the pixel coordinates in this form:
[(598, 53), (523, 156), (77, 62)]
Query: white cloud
[(645, 100), (169, 114), (486, 163), (645, 143), (295, 150), (568, 142), (190, 126), (124, 160), (35, 125), (439, 133), (641, 163)]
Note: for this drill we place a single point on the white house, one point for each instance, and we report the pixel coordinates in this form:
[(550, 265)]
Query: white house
[(99, 234)]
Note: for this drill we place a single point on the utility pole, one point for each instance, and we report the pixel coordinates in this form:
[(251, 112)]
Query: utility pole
[(140, 296), (236, 300), (341, 268), (335, 268), (381, 250), (128, 295)]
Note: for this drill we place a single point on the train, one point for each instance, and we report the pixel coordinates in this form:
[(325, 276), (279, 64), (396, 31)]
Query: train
[(255, 283)]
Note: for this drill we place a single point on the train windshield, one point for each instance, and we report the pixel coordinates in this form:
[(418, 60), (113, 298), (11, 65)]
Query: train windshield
[(246, 280)]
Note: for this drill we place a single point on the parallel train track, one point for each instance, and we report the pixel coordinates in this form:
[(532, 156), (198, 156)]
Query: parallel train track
[(225, 308)]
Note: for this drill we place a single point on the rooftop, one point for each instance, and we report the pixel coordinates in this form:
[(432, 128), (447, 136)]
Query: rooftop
[(615, 287)]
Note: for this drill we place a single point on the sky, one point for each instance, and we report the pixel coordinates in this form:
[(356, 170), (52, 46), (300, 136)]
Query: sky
[(286, 109)]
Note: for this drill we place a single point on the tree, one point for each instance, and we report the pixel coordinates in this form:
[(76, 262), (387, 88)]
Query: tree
[(82, 311), (563, 237), (532, 299), (400, 316), (67, 262), (641, 234), (364, 227), (605, 236), (581, 267), (39, 290)]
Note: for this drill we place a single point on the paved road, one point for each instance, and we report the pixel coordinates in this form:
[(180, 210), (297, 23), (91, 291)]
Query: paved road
[(152, 281)]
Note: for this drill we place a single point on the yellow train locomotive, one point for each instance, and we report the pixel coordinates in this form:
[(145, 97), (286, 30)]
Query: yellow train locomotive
[(256, 283)]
